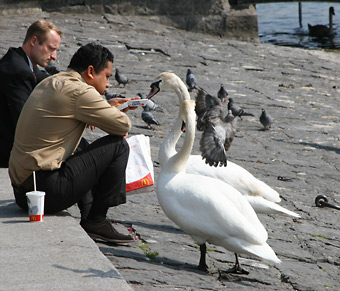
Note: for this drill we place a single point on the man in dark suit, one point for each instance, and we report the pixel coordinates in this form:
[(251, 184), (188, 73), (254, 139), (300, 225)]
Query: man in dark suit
[(19, 74)]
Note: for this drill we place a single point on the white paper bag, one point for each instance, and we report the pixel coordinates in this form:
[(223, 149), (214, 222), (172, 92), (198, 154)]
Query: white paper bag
[(139, 170)]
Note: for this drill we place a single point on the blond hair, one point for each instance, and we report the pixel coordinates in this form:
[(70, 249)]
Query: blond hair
[(39, 29)]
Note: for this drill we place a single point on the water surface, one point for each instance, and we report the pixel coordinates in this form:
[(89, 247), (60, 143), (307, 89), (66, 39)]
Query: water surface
[(279, 24)]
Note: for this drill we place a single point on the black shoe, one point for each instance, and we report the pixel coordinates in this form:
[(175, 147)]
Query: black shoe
[(105, 231)]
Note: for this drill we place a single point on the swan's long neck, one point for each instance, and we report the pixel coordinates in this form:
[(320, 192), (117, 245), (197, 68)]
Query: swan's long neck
[(178, 162), (181, 91), (330, 22), (168, 146)]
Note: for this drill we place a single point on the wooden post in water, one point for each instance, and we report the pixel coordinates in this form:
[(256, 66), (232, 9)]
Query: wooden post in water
[(300, 14)]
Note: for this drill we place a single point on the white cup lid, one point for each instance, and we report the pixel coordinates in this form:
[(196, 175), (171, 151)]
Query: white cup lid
[(35, 193)]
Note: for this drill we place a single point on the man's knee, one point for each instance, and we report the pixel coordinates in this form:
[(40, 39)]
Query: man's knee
[(119, 142)]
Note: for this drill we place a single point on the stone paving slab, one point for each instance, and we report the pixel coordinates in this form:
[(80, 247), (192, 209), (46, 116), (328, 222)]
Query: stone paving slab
[(298, 88), (55, 254)]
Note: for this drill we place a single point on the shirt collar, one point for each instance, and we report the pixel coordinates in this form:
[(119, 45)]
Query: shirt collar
[(30, 63), (75, 74)]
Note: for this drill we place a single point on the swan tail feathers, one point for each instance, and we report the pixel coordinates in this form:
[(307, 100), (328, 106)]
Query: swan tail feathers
[(264, 206), (267, 192), (286, 212), (265, 252)]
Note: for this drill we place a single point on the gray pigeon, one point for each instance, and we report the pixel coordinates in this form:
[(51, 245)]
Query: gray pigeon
[(191, 80), (120, 78), (266, 120), (222, 94), (148, 117), (218, 130), (236, 110), (152, 105)]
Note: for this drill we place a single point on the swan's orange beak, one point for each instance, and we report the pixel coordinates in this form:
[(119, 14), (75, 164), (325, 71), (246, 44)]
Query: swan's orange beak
[(183, 127)]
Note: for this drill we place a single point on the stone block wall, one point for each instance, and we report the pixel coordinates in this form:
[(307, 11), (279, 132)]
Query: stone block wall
[(216, 17)]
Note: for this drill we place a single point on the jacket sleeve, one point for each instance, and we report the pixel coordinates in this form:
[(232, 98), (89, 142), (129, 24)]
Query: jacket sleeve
[(18, 91), (92, 109), (18, 81), (40, 74)]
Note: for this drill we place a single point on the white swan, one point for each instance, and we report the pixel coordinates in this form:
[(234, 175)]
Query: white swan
[(261, 196), (208, 209)]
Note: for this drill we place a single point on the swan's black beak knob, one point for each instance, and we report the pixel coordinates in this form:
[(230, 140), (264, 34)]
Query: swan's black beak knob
[(154, 89)]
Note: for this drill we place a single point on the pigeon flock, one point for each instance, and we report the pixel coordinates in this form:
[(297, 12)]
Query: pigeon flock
[(233, 110)]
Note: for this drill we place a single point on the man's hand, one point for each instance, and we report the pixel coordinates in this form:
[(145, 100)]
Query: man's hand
[(117, 101)]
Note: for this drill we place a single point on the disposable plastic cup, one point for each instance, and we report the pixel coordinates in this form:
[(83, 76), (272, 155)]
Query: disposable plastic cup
[(36, 201)]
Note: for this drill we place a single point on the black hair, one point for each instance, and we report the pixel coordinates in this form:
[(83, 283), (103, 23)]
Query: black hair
[(91, 54)]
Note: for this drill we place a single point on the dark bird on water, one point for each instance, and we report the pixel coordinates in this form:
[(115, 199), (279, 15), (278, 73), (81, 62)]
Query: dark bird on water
[(148, 117), (222, 94), (323, 30), (218, 129), (120, 78), (191, 80), (236, 110), (266, 120)]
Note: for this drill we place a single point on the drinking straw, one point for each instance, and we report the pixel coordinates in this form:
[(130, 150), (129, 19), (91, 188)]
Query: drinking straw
[(34, 182)]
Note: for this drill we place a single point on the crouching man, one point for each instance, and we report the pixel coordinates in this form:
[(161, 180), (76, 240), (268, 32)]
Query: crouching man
[(49, 131)]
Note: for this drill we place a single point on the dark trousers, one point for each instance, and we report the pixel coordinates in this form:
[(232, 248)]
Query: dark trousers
[(5, 151), (98, 168)]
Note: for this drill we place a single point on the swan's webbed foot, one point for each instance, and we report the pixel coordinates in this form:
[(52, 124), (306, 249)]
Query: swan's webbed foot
[(237, 269), (203, 267)]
